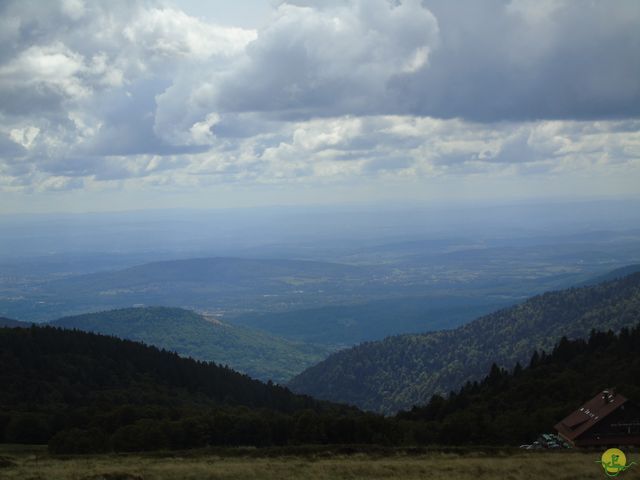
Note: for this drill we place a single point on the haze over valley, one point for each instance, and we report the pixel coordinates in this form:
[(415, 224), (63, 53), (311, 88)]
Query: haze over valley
[(274, 291)]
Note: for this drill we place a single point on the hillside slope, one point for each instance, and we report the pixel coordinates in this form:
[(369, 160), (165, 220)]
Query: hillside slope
[(83, 392), (257, 354), (612, 275), (406, 370), (7, 322), (515, 407), (45, 365), (346, 325)]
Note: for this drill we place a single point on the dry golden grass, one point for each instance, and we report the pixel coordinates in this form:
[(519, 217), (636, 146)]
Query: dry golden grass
[(35, 464)]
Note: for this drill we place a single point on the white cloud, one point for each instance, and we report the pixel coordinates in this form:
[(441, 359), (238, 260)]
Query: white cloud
[(75, 9), (343, 91), (59, 183), (52, 67), (330, 59), (24, 136), (320, 60), (202, 132), (169, 34)]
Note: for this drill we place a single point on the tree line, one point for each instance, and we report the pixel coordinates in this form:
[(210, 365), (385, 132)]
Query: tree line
[(80, 392)]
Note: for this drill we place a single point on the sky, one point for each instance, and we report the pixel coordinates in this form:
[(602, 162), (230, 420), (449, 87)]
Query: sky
[(136, 104)]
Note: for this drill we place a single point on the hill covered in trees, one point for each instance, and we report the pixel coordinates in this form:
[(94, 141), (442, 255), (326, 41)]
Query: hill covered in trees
[(7, 322), (258, 354), (406, 370), (87, 392), (515, 407), (82, 392), (612, 275)]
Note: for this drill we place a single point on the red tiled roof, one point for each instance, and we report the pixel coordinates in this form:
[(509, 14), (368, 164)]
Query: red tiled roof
[(589, 414)]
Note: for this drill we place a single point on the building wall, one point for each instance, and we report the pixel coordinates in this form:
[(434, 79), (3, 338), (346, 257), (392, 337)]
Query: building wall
[(621, 427)]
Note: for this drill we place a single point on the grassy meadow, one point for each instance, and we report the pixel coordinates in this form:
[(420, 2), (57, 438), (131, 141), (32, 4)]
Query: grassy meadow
[(19, 463)]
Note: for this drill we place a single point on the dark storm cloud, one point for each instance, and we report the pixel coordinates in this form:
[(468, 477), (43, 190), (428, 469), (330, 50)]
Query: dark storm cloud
[(501, 60), (483, 61), (329, 59)]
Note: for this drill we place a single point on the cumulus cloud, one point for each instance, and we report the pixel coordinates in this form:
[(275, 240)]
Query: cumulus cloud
[(482, 61), (78, 80), (412, 147), (327, 60), (330, 60), (95, 92)]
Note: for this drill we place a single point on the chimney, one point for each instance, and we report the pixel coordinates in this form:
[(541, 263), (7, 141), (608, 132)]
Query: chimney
[(608, 396)]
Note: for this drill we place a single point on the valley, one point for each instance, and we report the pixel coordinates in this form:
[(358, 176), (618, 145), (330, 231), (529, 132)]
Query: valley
[(447, 273), (405, 370), (82, 392), (253, 352)]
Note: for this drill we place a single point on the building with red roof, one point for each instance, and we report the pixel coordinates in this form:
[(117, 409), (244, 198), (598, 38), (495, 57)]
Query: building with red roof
[(606, 419)]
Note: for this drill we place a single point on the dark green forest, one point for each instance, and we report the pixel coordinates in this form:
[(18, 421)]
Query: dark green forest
[(82, 392), (406, 370), (515, 407), (255, 353)]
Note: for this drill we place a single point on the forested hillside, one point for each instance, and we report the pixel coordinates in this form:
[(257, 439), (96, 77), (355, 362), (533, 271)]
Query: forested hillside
[(7, 322), (255, 353), (613, 275), (402, 371), (81, 392), (87, 392), (515, 407)]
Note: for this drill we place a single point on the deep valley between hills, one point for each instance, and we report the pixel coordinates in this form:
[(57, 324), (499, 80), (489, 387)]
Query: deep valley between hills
[(82, 392), (384, 349)]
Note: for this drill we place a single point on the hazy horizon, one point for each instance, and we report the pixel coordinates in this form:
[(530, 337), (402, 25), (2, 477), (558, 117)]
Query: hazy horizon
[(354, 224)]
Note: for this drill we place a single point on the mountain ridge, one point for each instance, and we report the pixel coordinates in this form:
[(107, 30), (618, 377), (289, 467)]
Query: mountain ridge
[(506, 407), (83, 392), (258, 354), (401, 371), (9, 322)]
